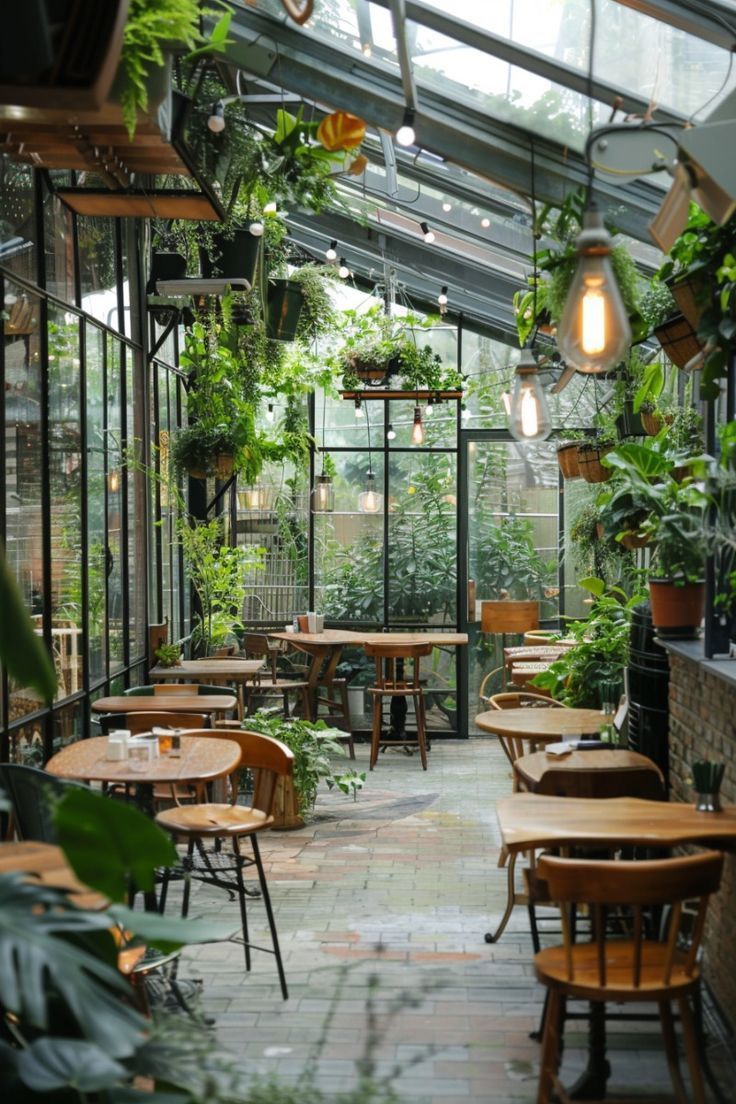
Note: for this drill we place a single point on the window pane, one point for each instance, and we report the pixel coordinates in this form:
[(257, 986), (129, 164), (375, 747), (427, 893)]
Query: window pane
[(136, 516), (96, 469), (115, 490), (59, 247), (96, 243), (65, 481), (17, 219)]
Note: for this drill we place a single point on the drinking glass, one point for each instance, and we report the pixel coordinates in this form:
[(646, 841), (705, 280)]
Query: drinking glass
[(139, 756), (165, 742)]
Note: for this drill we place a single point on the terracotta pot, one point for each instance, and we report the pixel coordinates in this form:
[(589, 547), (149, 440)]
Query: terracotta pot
[(686, 294), (197, 473), (567, 458), (679, 340), (652, 423), (676, 610), (286, 807), (589, 462), (224, 465)]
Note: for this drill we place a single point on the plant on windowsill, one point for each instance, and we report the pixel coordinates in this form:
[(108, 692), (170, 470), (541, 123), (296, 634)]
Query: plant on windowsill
[(168, 655)]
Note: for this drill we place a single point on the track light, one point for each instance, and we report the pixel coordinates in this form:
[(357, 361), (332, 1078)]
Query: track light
[(390, 433), (594, 331), (270, 414), (417, 430), (216, 121), (428, 234), (406, 135), (359, 412), (331, 251), (343, 271), (530, 418)]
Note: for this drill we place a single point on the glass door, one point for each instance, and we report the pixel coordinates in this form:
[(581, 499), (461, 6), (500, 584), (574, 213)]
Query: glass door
[(509, 546)]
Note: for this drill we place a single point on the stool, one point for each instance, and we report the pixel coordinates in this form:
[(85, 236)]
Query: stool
[(393, 684)]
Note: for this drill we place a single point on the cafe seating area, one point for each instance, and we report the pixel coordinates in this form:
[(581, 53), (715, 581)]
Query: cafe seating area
[(368, 552)]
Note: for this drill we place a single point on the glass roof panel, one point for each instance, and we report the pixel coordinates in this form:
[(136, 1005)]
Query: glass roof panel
[(633, 51)]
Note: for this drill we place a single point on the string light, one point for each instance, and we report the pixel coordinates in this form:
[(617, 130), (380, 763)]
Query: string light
[(427, 232), (406, 135), (359, 412), (485, 222), (216, 121), (442, 299), (270, 414), (390, 433), (464, 413), (331, 251), (343, 271), (429, 408), (447, 207)]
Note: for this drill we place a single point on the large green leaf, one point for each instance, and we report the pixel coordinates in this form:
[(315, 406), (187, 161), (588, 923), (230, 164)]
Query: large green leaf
[(108, 843), (22, 652), (38, 959), (169, 932), (53, 1063), (638, 458)]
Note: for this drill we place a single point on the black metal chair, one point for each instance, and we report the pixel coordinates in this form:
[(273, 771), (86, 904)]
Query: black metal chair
[(32, 793)]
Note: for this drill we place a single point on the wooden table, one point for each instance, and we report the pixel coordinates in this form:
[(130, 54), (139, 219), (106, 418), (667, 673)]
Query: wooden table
[(203, 759), (543, 725), (531, 769), (166, 703), (45, 863), (325, 650), (227, 669)]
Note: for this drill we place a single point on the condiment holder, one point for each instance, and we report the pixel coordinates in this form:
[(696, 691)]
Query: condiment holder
[(117, 745)]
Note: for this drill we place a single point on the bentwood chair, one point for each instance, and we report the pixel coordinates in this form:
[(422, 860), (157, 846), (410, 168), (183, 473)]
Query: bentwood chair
[(268, 760), (390, 684), (626, 968)]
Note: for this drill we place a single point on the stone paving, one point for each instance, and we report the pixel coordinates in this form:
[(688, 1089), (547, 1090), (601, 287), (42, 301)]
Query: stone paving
[(381, 907)]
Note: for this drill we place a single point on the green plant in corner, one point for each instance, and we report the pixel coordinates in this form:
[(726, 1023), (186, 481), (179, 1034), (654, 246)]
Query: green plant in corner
[(168, 655), (312, 745)]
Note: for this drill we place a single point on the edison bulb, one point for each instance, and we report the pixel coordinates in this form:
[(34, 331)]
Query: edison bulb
[(594, 331), (417, 430), (529, 418), (323, 495), (370, 501)]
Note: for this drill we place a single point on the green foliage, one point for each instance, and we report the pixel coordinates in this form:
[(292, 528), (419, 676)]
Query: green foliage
[(350, 781), (510, 565), (151, 27), (196, 447), (22, 653), (600, 653), (220, 576), (168, 655), (312, 745), (657, 304), (318, 315)]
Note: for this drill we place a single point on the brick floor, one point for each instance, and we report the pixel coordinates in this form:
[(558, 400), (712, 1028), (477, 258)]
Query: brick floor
[(381, 908)]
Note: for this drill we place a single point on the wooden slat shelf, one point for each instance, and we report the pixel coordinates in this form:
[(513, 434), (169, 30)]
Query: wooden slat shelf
[(388, 393)]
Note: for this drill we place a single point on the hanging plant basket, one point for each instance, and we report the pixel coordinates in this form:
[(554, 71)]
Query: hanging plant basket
[(678, 340), (233, 257), (652, 423), (197, 473), (285, 299), (589, 462), (677, 611), (372, 374), (628, 423), (686, 294), (567, 458)]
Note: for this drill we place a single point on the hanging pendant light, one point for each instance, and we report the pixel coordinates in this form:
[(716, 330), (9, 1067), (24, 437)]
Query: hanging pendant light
[(323, 495), (594, 332), (253, 498), (530, 418), (417, 430), (369, 500)]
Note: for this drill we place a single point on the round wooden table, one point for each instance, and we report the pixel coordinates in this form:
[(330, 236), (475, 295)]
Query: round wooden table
[(166, 703), (542, 725), (203, 759), (583, 773), (227, 669)]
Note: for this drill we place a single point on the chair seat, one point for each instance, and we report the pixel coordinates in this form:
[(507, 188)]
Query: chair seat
[(394, 691), (213, 820), (551, 969), (278, 686)]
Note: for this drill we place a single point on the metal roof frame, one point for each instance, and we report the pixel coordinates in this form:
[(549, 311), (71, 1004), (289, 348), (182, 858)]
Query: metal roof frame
[(711, 20)]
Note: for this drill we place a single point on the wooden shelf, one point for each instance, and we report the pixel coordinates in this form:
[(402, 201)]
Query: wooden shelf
[(388, 393)]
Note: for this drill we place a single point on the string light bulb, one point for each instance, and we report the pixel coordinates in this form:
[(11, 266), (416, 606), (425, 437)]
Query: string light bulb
[(113, 481), (370, 501), (331, 251), (406, 135), (429, 408), (529, 418), (256, 229), (390, 433), (447, 207), (427, 232), (270, 414), (594, 331), (442, 299), (216, 120), (464, 412), (359, 412), (485, 222), (343, 271), (417, 430)]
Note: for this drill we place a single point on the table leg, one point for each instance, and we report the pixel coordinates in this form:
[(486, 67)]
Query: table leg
[(591, 1085), (144, 804), (493, 937)]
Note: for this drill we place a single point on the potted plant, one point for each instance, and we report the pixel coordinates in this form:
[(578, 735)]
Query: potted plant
[(312, 745), (590, 454), (203, 449), (672, 330), (168, 655), (567, 453)]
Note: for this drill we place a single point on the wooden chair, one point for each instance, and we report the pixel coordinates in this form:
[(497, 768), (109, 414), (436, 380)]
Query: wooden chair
[(136, 723), (644, 782), (262, 646), (630, 968), (514, 746), (391, 684), (268, 760)]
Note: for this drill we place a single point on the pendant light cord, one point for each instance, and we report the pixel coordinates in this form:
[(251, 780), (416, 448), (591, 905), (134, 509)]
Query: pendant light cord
[(591, 54), (368, 427), (535, 276), (324, 411)]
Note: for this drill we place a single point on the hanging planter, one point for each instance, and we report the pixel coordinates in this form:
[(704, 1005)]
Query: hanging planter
[(677, 611), (224, 465), (630, 541), (687, 293), (628, 423), (232, 256), (285, 301), (589, 462), (678, 340), (567, 458)]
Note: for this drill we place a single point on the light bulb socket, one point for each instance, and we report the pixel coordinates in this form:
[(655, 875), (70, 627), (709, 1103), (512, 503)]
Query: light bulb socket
[(427, 232)]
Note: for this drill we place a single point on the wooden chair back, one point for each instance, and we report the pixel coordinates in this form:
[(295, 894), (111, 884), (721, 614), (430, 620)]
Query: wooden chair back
[(386, 655), (158, 634), (644, 782), (263, 646), (267, 760), (638, 885), (522, 699), (169, 689), (144, 722)]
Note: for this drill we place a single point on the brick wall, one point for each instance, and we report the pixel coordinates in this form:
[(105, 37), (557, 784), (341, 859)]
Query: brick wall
[(703, 724)]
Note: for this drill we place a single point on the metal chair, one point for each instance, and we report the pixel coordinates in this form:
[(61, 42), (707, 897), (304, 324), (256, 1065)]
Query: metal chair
[(32, 793)]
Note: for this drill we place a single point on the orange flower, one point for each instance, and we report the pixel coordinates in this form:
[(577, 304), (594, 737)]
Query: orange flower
[(358, 165), (340, 131)]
